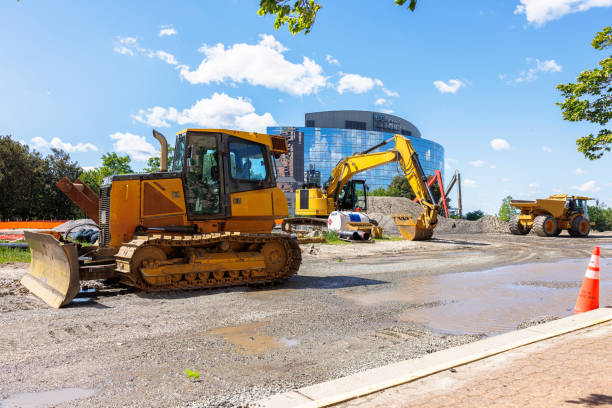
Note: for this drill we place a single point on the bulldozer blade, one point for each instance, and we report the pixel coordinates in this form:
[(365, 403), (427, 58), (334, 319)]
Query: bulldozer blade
[(54, 269), (410, 229)]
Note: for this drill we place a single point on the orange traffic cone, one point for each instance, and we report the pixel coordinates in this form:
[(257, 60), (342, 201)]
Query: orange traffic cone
[(588, 299)]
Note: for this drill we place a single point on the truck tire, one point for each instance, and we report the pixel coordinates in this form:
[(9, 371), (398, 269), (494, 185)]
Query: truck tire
[(580, 227), (545, 226), (516, 227)]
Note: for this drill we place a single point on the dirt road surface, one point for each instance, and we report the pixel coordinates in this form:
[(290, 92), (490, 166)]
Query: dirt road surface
[(350, 308)]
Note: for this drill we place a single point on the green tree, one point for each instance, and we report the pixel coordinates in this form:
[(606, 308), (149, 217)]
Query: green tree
[(153, 164), (27, 182), (474, 215), (590, 99), (400, 187), (379, 192), (112, 164), (506, 211), (300, 15), (601, 216)]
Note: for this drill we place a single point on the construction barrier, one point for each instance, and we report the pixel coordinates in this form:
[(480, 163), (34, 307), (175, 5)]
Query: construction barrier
[(30, 224)]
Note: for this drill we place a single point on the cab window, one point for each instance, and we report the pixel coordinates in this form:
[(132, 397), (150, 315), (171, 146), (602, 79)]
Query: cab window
[(202, 191), (179, 153), (247, 162)]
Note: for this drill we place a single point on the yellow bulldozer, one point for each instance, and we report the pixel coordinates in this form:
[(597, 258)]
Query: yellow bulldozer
[(549, 216), (342, 192), (205, 223)]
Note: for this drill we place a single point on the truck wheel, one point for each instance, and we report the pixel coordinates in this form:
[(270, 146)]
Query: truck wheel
[(516, 227), (580, 227), (545, 226)]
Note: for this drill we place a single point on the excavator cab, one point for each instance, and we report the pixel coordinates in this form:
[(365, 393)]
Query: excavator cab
[(353, 196)]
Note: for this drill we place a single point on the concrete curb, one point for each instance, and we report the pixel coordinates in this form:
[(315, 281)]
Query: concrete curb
[(377, 379)]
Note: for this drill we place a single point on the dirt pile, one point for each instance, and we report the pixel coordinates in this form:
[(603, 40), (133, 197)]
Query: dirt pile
[(381, 208)]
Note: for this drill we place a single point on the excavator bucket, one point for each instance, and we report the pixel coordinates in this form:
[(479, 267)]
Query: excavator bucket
[(411, 229), (54, 269)]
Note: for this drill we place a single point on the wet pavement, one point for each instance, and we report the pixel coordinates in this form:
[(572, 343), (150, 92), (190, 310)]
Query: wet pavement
[(45, 399), (492, 301)]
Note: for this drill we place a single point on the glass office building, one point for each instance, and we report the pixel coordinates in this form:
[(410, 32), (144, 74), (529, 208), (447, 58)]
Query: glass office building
[(320, 148)]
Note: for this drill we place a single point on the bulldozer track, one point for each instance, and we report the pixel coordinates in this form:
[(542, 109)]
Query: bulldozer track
[(193, 280)]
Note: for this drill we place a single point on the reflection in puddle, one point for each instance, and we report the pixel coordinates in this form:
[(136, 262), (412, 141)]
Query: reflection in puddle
[(289, 342), (246, 340), (45, 398), (492, 301)]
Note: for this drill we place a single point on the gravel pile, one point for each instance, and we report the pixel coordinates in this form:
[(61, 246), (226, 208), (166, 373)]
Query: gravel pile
[(381, 208), (536, 321)]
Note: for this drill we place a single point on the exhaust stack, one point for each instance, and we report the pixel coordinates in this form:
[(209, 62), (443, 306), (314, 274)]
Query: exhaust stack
[(163, 160)]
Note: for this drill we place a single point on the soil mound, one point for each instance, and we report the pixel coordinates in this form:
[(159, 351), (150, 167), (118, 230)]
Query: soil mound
[(381, 208)]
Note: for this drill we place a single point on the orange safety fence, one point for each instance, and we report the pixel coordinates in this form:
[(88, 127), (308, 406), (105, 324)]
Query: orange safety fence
[(30, 224)]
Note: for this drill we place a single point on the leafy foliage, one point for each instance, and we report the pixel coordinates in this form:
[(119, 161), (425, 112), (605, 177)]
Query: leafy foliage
[(601, 216), (14, 255), (27, 182), (474, 215), (300, 15), (590, 99), (154, 163), (112, 164), (506, 211)]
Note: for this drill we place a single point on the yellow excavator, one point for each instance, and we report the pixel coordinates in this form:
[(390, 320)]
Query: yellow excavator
[(205, 223), (341, 192)]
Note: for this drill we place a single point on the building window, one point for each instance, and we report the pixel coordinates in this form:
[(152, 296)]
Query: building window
[(406, 132), (310, 123), (350, 124)]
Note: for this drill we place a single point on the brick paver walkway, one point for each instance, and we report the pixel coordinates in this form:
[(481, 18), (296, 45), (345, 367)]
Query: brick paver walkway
[(572, 370)]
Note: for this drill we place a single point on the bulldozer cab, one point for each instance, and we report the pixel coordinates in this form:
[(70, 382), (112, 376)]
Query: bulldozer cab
[(210, 177)]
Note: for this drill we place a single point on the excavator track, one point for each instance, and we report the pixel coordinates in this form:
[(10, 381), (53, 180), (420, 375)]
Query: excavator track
[(169, 262)]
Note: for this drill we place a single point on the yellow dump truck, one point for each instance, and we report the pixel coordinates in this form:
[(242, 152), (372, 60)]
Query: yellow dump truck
[(549, 216)]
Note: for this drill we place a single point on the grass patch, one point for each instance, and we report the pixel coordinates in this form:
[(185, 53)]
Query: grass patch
[(389, 238), (331, 237), (12, 255)]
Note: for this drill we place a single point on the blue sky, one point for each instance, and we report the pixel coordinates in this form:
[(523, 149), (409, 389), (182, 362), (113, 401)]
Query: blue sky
[(477, 77)]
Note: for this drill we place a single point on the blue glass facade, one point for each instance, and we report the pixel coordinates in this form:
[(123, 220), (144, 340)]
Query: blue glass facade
[(322, 148)]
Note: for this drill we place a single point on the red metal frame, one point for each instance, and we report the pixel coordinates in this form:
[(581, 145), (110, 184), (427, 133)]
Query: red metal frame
[(438, 176)]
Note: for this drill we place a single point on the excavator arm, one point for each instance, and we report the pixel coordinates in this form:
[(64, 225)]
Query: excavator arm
[(404, 154)]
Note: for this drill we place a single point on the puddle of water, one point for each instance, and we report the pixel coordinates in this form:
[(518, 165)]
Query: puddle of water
[(46, 398), (289, 342), (246, 340), (492, 301)]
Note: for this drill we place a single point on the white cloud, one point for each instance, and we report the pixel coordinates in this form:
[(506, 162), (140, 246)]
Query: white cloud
[(390, 94), (556, 190), (478, 163), (389, 111), (546, 149), (261, 64), (531, 74), (500, 144), (492, 166), (87, 168), (134, 145), (447, 166), (579, 171), (452, 86), (56, 143), (126, 45), (331, 60), (588, 187), (357, 84), (380, 102), (533, 185), (167, 30), (541, 11), (506, 180), (130, 46), (219, 111), (469, 183)]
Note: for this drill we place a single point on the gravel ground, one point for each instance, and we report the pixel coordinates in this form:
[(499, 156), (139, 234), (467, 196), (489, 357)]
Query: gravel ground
[(246, 343)]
